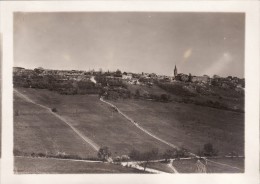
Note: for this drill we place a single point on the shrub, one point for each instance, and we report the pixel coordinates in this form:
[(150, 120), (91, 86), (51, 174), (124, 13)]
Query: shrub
[(169, 154), (104, 153), (135, 155), (181, 153), (164, 97), (137, 93), (54, 110), (208, 150)]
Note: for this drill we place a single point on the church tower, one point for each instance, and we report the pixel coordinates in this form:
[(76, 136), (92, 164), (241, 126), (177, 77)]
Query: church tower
[(175, 72)]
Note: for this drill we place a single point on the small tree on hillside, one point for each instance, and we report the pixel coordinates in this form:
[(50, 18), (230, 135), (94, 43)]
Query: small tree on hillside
[(54, 110), (104, 153)]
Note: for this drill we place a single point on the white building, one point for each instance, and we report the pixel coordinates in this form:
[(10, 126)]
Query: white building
[(128, 76)]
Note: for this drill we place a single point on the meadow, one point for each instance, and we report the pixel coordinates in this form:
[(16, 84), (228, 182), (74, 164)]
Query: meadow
[(50, 166), (189, 166), (188, 126), (87, 113)]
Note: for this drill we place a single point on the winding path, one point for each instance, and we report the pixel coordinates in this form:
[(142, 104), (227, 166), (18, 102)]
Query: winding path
[(84, 138)]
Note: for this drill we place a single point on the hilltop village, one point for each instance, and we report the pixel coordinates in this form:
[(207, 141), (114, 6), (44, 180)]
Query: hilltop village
[(127, 118), (117, 84)]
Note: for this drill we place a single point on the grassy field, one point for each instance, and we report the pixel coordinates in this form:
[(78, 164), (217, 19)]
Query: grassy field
[(185, 166), (185, 125), (36, 131), (87, 113), (50, 166), (159, 166), (235, 162), (146, 90), (188, 125), (189, 166)]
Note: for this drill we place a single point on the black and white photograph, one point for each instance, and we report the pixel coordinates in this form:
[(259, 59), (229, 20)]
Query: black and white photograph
[(128, 92)]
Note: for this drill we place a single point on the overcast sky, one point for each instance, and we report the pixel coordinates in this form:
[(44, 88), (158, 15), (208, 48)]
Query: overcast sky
[(198, 43)]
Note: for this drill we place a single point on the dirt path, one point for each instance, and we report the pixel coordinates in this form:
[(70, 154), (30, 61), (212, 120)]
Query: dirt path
[(84, 138), (138, 126), (137, 166), (171, 167)]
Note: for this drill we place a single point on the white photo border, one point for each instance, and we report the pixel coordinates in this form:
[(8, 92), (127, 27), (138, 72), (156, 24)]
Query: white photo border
[(251, 10)]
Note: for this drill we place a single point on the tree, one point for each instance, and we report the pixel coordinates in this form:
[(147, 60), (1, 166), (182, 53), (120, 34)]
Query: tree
[(148, 156), (165, 97), (137, 93), (104, 153), (135, 154), (54, 110), (100, 70), (169, 154), (118, 72), (180, 153), (190, 78), (200, 153), (209, 150)]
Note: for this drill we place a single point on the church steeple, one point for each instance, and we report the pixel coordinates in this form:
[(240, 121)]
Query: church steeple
[(175, 72)]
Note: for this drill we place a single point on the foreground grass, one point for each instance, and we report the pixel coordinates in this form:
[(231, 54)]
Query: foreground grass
[(51, 166), (159, 166), (189, 166)]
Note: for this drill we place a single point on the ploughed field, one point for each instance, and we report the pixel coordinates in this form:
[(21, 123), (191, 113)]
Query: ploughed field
[(188, 125)]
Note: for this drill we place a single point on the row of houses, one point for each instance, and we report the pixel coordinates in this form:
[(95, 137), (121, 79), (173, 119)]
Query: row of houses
[(131, 78), (224, 82)]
